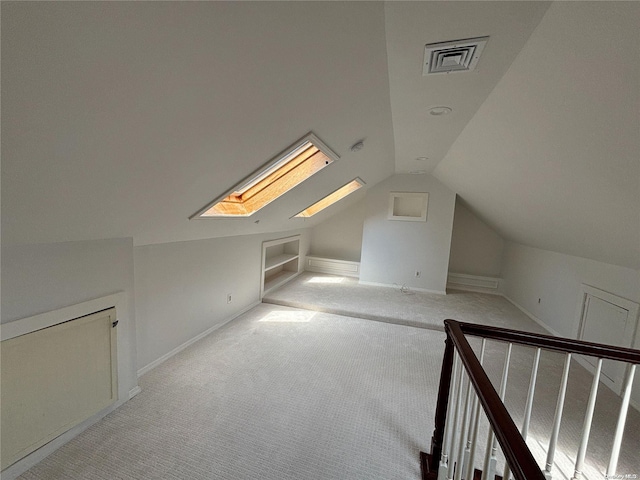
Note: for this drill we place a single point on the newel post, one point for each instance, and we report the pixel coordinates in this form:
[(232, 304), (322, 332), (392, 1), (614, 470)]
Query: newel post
[(441, 412)]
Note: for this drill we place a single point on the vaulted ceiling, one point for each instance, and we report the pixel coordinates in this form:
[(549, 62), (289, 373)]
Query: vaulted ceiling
[(552, 157), (124, 119)]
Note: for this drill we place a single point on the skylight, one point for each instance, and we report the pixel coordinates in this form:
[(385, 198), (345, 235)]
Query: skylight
[(332, 198), (306, 157)]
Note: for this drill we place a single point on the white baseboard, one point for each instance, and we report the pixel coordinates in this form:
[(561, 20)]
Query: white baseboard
[(464, 281), (464, 288), (412, 289), (533, 317), (190, 342), (635, 404), (134, 391), (24, 464)]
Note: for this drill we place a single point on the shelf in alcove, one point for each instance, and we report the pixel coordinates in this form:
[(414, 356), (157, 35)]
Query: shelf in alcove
[(271, 263), (278, 279)]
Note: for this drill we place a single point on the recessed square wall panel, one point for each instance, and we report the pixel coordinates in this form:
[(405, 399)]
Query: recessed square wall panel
[(408, 206)]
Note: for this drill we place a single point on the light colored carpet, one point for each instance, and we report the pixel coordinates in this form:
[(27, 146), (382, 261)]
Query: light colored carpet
[(344, 296), (283, 393), (277, 394)]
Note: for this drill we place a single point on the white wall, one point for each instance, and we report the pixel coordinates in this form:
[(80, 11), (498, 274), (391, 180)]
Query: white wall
[(555, 278), (392, 251), (476, 249), (340, 236), (181, 288), (43, 277), (551, 157)]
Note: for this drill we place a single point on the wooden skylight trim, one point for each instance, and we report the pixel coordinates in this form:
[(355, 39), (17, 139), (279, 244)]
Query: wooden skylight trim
[(332, 198), (300, 161)]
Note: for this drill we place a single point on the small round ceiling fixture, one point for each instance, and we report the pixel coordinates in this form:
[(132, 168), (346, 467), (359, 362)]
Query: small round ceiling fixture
[(440, 111)]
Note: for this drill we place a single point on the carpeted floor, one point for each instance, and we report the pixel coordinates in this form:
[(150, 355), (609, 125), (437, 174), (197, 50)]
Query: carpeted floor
[(277, 394), (287, 393), (345, 296)]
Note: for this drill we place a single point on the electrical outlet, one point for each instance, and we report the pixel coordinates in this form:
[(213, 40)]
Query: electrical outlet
[(417, 274), (228, 298)]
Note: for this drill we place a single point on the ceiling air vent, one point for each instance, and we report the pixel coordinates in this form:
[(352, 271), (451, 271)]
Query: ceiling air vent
[(456, 56)]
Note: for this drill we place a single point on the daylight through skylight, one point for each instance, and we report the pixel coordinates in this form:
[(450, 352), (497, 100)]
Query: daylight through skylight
[(332, 198), (306, 157)]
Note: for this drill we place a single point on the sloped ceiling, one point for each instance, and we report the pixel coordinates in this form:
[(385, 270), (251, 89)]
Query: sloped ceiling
[(552, 157), (411, 26), (123, 119)]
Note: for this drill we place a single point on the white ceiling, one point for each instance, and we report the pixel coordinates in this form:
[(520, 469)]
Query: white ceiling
[(412, 25), (122, 119), (552, 157), (125, 118)]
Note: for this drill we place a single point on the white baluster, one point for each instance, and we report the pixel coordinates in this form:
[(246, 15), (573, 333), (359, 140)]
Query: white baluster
[(489, 469), (487, 457), (557, 418), (467, 451), (450, 420), (532, 387), (456, 427), (588, 418), (463, 431), (474, 441), (473, 430), (622, 419), (528, 406), (467, 461)]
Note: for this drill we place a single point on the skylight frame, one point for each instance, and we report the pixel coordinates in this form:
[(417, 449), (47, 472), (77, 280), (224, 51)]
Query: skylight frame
[(270, 167), (361, 183)]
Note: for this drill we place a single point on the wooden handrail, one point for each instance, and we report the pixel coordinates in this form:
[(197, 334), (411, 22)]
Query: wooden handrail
[(519, 458), (549, 342)]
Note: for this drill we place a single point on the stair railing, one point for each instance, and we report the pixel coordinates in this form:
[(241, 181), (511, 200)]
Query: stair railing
[(463, 374)]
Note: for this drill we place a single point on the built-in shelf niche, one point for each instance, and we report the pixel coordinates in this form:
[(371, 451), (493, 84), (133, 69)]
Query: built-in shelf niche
[(280, 262), (408, 206)]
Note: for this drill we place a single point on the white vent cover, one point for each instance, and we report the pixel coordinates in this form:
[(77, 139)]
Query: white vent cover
[(456, 56)]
